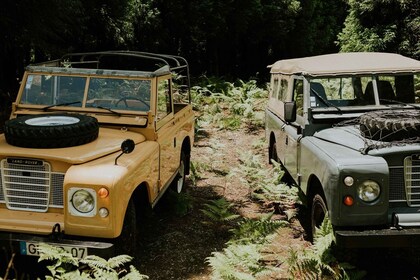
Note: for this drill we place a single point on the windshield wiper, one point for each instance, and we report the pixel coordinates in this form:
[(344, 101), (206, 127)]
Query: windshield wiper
[(326, 103), (60, 104), (108, 109)]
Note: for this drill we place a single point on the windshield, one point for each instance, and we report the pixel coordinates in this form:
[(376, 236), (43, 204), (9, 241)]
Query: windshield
[(361, 90), (110, 93)]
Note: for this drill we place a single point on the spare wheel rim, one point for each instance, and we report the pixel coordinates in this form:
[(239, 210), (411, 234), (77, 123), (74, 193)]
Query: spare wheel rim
[(52, 121)]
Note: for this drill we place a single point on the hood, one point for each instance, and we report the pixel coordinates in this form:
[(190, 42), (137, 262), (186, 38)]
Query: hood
[(347, 136), (109, 141), (350, 137)]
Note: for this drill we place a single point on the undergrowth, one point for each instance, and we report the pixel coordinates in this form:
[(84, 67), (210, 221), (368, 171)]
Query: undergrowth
[(229, 105), (62, 265)]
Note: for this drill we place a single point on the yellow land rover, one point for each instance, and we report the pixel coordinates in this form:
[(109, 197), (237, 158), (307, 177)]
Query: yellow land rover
[(92, 140)]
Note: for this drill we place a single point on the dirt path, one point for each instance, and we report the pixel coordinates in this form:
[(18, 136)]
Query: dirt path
[(177, 247)]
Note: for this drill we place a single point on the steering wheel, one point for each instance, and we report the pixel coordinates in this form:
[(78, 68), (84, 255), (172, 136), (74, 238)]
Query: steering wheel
[(125, 98)]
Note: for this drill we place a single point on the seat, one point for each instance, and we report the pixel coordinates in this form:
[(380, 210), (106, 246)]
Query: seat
[(385, 91), (317, 91)]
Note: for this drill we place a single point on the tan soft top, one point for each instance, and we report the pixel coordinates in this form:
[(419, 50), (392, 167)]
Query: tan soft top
[(347, 63)]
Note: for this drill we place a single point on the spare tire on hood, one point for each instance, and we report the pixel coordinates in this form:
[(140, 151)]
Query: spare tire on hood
[(51, 130), (391, 125)]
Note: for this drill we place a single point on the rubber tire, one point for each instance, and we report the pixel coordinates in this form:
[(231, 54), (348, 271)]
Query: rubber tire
[(21, 134), (178, 184), (391, 125), (127, 242), (272, 153), (318, 212)]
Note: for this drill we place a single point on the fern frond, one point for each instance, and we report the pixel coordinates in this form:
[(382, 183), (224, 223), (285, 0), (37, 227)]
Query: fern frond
[(119, 261), (134, 274), (96, 263), (255, 231)]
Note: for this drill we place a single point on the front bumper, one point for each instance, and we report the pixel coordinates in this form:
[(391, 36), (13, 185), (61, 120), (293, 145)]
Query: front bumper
[(392, 237), (15, 242)]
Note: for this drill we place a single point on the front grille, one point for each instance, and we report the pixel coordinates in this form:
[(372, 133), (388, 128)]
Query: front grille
[(31, 187), (412, 180)]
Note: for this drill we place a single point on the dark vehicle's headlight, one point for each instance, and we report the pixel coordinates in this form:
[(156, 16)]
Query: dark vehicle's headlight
[(368, 191)]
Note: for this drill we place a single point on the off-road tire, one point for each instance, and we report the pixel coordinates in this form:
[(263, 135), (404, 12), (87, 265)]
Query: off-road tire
[(318, 212), (127, 242), (178, 184), (272, 153), (34, 131), (391, 125)]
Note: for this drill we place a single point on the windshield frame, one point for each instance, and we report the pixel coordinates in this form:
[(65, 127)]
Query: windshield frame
[(54, 104)]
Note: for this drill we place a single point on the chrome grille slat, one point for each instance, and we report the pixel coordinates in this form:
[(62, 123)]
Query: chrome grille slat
[(30, 187), (412, 180)]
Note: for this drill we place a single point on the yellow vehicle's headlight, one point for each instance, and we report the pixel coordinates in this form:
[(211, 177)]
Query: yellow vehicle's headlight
[(369, 191), (83, 201)]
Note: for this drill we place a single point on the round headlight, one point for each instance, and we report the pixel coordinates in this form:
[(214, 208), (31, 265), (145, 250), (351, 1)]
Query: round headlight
[(369, 191), (83, 201)]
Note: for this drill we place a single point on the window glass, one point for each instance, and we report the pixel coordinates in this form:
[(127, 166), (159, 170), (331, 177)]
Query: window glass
[(123, 94), (50, 90), (283, 90), (164, 106), (275, 88), (298, 96)]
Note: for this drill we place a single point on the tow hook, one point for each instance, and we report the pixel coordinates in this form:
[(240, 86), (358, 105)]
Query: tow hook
[(56, 232)]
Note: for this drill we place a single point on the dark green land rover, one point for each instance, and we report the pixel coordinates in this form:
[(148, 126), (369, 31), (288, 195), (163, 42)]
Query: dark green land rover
[(346, 129)]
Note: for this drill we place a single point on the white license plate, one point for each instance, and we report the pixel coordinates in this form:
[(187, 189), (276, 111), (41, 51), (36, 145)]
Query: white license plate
[(31, 249)]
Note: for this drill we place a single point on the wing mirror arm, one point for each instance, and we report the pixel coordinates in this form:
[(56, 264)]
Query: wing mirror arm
[(127, 146)]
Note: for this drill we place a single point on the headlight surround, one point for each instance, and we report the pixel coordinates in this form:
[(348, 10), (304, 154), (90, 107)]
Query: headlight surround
[(368, 191), (83, 200)]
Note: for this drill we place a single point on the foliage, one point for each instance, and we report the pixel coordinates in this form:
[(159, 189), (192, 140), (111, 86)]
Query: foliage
[(238, 262), (65, 266), (229, 105), (266, 184), (259, 231), (243, 259), (383, 25), (318, 262), (180, 203), (219, 210)]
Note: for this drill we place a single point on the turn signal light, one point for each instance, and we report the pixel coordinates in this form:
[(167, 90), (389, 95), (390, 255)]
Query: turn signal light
[(348, 200), (103, 192)]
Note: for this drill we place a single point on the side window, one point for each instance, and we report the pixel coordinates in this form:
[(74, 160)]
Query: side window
[(298, 96), (283, 90), (164, 106), (275, 88)]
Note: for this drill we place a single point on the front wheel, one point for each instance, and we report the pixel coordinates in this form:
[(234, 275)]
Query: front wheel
[(126, 243), (179, 181), (318, 213)]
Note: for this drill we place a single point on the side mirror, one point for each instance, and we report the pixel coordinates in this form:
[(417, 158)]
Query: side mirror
[(127, 146), (290, 111)]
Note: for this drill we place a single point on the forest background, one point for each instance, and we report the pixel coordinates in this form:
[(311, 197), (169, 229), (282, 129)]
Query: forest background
[(230, 38)]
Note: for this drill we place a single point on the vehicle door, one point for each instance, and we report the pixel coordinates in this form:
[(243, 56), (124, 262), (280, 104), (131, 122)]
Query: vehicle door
[(293, 131), (166, 131), (279, 95)]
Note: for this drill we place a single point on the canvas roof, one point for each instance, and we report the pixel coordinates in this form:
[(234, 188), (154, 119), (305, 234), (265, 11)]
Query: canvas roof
[(347, 63)]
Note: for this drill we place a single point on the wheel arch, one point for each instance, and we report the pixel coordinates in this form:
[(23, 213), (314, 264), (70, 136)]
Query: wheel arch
[(314, 187)]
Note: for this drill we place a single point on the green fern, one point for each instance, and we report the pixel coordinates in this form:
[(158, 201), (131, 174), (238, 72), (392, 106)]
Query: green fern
[(319, 262), (256, 231), (65, 267), (238, 262), (219, 210)]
